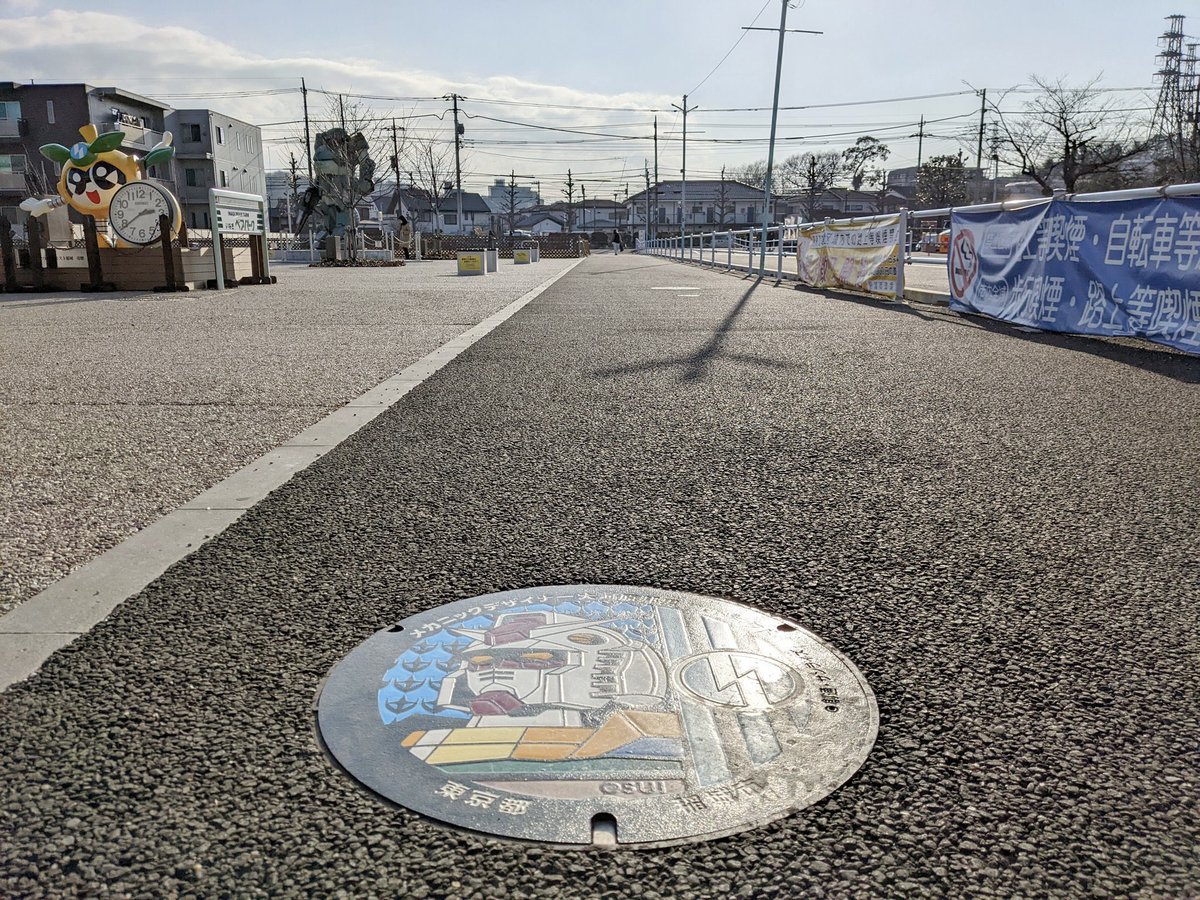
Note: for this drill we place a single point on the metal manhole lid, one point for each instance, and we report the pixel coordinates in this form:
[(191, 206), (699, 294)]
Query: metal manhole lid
[(598, 714)]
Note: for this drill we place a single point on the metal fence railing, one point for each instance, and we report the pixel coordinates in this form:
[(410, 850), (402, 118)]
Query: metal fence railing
[(745, 250)]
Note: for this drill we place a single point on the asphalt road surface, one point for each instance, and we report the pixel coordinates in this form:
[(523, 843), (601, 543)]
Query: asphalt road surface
[(1000, 529)]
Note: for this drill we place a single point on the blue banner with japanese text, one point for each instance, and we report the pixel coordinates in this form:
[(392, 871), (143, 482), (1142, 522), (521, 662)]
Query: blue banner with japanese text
[(1120, 268)]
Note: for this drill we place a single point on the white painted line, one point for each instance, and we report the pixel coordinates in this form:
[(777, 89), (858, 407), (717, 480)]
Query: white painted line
[(74, 605)]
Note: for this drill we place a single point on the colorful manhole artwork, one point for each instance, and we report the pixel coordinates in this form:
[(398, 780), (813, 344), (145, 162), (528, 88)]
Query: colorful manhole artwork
[(598, 714)]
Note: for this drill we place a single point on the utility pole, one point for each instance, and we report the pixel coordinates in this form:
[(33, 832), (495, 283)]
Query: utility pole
[(920, 135), (995, 151), (683, 185), (583, 188), (766, 221), (647, 237), (979, 146), (570, 192), (458, 133), (307, 136), (656, 170), (342, 110), (396, 159)]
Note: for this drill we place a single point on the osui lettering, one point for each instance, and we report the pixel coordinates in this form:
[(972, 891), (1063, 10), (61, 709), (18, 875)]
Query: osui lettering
[(633, 787)]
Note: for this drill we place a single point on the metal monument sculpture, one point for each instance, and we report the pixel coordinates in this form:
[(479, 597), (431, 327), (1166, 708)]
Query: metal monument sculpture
[(94, 170), (345, 175)]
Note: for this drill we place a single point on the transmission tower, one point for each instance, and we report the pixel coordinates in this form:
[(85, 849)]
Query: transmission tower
[(1176, 120)]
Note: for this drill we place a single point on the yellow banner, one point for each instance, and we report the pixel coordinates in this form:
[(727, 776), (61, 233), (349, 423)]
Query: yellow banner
[(860, 257)]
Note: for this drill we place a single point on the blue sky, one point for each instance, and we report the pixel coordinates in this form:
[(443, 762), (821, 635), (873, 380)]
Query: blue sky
[(597, 67)]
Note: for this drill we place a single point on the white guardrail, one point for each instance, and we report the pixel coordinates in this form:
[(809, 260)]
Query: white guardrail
[(742, 250)]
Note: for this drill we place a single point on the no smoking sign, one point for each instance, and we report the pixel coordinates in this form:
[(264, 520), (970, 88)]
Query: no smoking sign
[(964, 263)]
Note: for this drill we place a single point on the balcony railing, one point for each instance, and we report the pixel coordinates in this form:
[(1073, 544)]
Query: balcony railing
[(11, 128), (136, 137), (11, 182)]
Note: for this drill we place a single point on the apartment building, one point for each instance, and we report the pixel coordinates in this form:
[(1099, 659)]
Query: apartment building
[(35, 114), (211, 149), (214, 150)]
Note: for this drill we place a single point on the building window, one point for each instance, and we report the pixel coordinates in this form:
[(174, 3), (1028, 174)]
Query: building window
[(189, 178), (193, 218), (450, 218), (50, 111), (12, 164), (237, 139), (224, 179), (191, 133), (10, 109), (710, 215), (220, 135)]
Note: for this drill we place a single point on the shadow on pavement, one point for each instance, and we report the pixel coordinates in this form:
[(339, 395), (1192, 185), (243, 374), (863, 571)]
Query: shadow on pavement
[(1164, 361), (695, 366), (1160, 361)]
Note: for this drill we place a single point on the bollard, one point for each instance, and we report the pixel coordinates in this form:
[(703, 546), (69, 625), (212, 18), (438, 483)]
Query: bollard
[(472, 262)]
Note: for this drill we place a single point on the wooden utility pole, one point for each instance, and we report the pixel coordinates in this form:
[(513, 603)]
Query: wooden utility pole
[(307, 135)]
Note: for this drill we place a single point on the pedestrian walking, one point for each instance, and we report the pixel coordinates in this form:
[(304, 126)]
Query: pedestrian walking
[(617, 248)]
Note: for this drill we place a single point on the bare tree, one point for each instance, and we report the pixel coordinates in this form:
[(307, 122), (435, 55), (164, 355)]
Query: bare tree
[(810, 174), (432, 164), (569, 193), (753, 174), (725, 205), (511, 210), (859, 161), (293, 183), (1065, 135)]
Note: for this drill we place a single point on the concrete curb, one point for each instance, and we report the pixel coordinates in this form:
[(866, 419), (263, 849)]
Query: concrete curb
[(74, 605), (917, 295)]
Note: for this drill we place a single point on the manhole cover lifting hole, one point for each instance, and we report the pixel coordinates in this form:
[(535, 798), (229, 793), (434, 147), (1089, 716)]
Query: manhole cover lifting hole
[(598, 715)]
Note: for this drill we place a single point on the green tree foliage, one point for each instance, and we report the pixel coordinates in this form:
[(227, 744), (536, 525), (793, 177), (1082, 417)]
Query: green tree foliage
[(861, 162), (942, 182)]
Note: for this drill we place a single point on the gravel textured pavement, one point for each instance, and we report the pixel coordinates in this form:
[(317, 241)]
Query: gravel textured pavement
[(1000, 529), (116, 408)]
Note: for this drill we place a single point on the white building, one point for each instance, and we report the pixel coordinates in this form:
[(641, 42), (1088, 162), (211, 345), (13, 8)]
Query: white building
[(711, 204)]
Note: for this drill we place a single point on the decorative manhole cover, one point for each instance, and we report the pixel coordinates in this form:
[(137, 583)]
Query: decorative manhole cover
[(598, 714)]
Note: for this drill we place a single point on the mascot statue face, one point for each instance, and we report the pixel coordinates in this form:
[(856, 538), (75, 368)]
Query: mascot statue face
[(95, 167), (92, 171)]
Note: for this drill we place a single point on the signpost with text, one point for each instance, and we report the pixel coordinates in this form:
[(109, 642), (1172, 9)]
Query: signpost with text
[(233, 212)]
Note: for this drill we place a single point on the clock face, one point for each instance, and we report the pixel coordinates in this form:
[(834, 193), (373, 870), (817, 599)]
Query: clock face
[(135, 209)]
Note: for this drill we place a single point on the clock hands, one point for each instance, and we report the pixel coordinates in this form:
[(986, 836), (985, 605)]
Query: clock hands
[(144, 212)]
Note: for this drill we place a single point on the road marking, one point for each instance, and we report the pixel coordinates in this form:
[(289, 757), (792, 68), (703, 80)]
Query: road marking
[(81, 600)]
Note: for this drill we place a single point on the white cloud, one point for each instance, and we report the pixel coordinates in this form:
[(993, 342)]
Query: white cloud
[(166, 62)]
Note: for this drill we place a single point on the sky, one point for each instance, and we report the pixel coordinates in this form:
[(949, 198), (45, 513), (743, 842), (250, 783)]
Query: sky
[(606, 69)]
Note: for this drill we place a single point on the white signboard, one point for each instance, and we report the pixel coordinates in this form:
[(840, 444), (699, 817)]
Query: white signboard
[(237, 213)]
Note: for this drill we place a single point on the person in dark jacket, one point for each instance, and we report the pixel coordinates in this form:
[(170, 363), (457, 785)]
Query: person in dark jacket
[(616, 242)]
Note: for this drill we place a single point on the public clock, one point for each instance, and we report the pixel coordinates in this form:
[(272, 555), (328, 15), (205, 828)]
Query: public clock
[(135, 210)]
